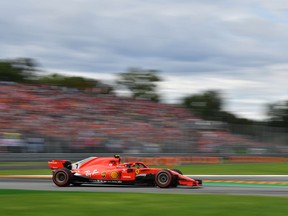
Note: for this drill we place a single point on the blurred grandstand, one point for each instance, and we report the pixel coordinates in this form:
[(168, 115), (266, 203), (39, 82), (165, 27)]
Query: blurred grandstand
[(43, 118)]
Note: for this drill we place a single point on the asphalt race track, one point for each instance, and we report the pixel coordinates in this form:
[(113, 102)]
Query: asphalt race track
[(47, 184)]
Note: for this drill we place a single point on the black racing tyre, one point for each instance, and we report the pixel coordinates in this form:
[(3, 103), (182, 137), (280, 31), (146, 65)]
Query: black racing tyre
[(62, 177), (178, 171), (164, 179)]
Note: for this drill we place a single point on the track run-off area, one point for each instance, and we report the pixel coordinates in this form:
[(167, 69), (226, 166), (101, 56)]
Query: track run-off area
[(259, 185)]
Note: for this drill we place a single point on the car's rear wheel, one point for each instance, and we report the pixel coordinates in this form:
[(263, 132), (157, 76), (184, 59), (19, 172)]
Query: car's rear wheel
[(62, 177), (164, 178)]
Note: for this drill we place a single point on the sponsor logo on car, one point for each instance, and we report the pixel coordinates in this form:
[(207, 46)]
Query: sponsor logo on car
[(88, 173), (114, 174)]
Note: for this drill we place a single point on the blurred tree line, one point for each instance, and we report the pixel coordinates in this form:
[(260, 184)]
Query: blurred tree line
[(209, 104), (17, 70), (25, 70)]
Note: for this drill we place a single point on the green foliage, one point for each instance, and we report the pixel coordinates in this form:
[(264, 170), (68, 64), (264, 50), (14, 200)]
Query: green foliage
[(278, 114), (207, 104), (233, 119), (24, 70), (71, 82), (75, 82), (141, 83), (17, 70)]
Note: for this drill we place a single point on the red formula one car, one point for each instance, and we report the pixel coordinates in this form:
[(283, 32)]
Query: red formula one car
[(111, 170)]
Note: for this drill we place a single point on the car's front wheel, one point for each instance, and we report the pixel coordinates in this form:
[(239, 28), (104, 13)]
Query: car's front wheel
[(164, 178), (62, 177)]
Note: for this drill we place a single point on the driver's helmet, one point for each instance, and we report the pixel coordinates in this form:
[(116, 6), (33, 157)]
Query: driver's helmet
[(117, 156)]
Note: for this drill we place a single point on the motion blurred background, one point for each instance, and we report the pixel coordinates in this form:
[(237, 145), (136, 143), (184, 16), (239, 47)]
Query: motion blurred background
[(53, 113), (143, 77)]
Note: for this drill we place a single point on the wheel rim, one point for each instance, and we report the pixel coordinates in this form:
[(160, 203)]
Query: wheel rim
[(61, 177), (163, 178)]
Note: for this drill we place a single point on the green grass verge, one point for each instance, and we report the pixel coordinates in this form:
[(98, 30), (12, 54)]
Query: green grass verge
[(217, 169), (26, 172), (18, 203), (236, 169), (23, 164)]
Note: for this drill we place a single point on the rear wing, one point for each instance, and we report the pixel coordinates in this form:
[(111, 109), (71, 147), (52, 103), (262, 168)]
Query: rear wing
[(58, 164)]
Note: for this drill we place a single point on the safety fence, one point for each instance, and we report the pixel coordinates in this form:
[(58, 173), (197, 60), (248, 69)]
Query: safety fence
[(149, 159), (178, 160)]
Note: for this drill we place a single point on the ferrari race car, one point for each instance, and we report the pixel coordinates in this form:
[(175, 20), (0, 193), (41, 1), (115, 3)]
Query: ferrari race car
[(110, 170)]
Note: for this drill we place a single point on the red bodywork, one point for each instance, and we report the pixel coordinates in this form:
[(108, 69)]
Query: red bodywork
[(111, 170)]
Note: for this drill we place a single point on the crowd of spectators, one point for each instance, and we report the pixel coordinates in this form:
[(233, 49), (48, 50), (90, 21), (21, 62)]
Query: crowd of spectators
[(43, 118)]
